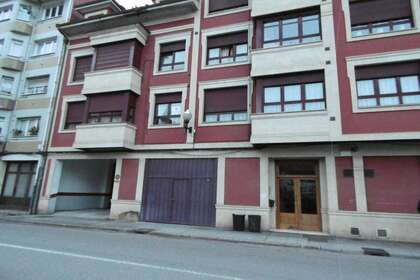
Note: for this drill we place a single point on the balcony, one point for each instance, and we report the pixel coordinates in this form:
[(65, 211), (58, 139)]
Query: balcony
[(268, 7), (291, 128), (11, 63), (21, 27), (112, 80), (282, 60), (111, 136), (6, 104)]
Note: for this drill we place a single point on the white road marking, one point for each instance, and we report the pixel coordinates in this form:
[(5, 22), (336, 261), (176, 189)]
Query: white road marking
[(143, 265)]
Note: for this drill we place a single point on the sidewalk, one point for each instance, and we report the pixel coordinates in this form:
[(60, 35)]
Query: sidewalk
[(326, 243)]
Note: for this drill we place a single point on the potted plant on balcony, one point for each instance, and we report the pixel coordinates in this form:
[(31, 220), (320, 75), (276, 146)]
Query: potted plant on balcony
[(33, 131), (17, 132)]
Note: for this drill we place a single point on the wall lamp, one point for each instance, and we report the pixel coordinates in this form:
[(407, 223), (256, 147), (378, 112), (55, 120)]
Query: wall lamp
[(187, 116)]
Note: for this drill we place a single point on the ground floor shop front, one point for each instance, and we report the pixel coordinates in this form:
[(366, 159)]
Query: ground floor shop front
[(364, 190)]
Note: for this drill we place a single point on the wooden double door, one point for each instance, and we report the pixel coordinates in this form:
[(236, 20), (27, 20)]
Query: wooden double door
[(298, 196)]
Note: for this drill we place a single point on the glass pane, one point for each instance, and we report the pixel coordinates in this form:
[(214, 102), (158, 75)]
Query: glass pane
[(365, 88), (314, 91), (26, 167), (271, 45), (225, 117), (176, 120), (310, 25), (293, 107), (167, 59), (311, 39), (287, 196), (180, 56), (308, 197), (290, 28), (214, 52), (367, 103), (380, 28), (271, 31), (411, 99), (272, 94), (242, 116), (290, 42), (242, 49), (297, 167), (387, 86), (179, 66), (401, 25), (389, 101), (227, 60), (23, 185), (176, 109), (360, 31), (13, 167), (10, 184), (292, 93), (241, 58), (315, 106), (163, 110), (166, 68), (211, 118), (272, 109), (410, 84), (214, 62)]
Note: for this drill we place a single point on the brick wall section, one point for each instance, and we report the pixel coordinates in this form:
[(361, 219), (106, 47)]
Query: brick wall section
[(345, 184), (128, 183)]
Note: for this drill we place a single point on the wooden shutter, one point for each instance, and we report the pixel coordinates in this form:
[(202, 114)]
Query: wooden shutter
[(369, 11), (75, 112), (291, 79), (172, 47), (232, 99), (168, 98), (218, 5), (108, 102), (227, 39), (113, 55), (82, 65), (388, 70)]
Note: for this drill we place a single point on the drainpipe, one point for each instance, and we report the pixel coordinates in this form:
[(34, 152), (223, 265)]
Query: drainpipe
[(50, 121)]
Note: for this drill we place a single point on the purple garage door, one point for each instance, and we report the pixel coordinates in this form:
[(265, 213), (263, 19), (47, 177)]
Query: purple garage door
[(181, 191)]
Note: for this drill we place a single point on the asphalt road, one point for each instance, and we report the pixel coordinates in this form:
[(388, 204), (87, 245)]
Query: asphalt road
[(42, 252)]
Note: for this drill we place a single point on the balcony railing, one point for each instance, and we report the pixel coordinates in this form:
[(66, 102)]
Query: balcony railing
[(35, 90)]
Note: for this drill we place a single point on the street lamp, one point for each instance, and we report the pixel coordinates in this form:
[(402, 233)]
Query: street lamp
[(187, 116)]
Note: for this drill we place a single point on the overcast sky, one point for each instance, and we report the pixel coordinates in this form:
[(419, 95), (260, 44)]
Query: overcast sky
[(133, 3)]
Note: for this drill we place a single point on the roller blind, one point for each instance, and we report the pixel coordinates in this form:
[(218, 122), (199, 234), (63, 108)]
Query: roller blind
[(227, 39), (82, 65), (226, 100), (218, 5), (388, 70), (75, 111), (368, 11)]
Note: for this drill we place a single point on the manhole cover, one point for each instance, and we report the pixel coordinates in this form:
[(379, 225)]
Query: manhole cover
[(375, 252)]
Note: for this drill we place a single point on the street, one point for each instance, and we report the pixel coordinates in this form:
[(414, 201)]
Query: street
[(44, 252)]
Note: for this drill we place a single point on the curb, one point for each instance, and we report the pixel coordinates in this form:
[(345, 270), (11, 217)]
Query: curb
[(152, 232)]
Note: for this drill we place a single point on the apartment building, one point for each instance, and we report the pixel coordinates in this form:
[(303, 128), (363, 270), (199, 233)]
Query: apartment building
[(303, 112), (31, 50)]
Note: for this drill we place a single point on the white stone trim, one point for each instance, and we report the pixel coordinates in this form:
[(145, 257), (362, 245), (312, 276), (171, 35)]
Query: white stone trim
[(64, 106), (117, 179), (140, 179), (119, 207), (415, 8), (135, 31), (171, 29), (217, 84), (225, 30), (73, 55), (183, 88), (389, 57), (207, 14), (168, 39), (221, 176)]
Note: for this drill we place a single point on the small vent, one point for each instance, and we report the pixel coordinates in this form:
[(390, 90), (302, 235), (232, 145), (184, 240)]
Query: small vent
[(348, 173), (355, 231), (369, 173), (382, 233)]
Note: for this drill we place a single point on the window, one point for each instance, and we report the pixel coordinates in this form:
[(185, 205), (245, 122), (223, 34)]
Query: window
[(168, 109), (16, 48), (45, 47), (24, 13), (294, 30), (36, 85), (2, 125), (54, 11), (228, 48), (293, 93), (75, 113), (380, 16), (5, 12), (391, 84), (82, 65), (19, 183), (220, 5), (6, 84), (117, 55), (172, 56), (105, 117), (226, 104), (27, 127)]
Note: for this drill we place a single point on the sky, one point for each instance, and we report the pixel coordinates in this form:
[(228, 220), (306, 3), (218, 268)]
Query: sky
[(133, 3)]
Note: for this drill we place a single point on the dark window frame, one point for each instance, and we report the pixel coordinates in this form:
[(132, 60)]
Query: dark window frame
[(377, 95), (110, 114), (390, 23), (300, 37), (168, 116), (173, 63), (232, 54), (218, 114), (302, 101)]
